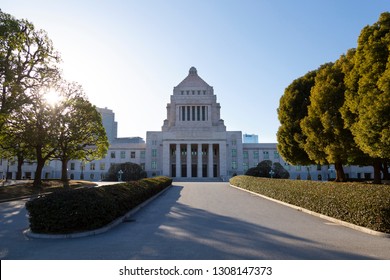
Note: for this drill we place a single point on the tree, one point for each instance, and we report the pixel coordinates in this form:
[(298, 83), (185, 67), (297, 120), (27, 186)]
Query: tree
[(131, 172), (34, 124), (27, 61), (327, 139), (292, 109), (263, 169), (367, 100), (79, 130)]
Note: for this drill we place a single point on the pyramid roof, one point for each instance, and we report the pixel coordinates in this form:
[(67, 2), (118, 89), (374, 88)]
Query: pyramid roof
[(193, 80)]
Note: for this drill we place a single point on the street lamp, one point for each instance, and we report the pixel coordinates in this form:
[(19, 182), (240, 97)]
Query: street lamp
[(120, 172), (271, 173)]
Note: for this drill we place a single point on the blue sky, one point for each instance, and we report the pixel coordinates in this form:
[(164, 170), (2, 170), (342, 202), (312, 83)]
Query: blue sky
[(128, 55)]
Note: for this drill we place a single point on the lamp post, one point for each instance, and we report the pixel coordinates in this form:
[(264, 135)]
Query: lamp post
[(271, 173), (120, 172)]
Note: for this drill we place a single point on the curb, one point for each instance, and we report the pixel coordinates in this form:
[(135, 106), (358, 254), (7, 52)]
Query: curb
[(106, 228), (322, 216)]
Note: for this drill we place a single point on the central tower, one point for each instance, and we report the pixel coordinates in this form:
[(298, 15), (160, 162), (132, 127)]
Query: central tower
[(193, 107)]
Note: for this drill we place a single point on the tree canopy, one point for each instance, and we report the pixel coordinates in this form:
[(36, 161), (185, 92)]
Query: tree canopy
[(293, 107), (340, 113), (368, 94), (31, 127), (79, 130), (27, 61)]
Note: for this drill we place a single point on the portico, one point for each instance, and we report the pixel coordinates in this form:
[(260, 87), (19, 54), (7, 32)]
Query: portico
[(194, 160)]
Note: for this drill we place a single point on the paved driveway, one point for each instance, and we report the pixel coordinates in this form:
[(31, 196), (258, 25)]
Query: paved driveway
[(200, 221)]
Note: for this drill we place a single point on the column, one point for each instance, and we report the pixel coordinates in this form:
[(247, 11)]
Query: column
[(165, 159), (178, 162), (222, 159), (200, 167), (189, 165), (210, 165)]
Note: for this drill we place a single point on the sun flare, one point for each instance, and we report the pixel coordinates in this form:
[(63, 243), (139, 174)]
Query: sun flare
[(52, 97)]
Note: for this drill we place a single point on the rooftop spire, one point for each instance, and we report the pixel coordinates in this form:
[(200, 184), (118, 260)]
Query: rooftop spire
[(193, 71)]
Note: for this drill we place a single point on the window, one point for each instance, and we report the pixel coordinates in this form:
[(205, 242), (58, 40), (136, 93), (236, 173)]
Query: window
[(256, 154), (112, 154), (245, 154), (298, 168), (72, 166), (154, 165), (102, 166), (92, 176), (92, 166), (123, 154), (246, 166), (234, 152), (234, 165), (198, 113), (132, 154), (142, 154), (276, 155), (265, 155), (234, 142), (154, 152), (182, 92), (203, 113)]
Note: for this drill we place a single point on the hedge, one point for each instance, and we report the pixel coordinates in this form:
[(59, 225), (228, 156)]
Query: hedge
[(366, 205), (77, 210)]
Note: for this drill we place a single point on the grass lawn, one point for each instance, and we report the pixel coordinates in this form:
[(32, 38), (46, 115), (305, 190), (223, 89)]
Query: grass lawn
[(25, 188), (366, 205)]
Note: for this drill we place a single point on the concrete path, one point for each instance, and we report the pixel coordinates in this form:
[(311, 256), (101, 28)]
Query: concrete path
[(200, 221)]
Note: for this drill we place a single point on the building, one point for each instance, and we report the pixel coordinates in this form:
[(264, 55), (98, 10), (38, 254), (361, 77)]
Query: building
[(109, 123), (250, 138), (193, 144)]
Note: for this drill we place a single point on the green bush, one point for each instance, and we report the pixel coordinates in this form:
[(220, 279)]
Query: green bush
[(70, 211), (366, 205), (130, 172)]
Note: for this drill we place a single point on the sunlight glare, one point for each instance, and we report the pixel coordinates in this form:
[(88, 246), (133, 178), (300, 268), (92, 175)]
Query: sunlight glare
[(52, 97)]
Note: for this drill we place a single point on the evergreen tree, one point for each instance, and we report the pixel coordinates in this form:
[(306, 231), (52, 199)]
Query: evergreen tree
[(367, 100), (292, 109)]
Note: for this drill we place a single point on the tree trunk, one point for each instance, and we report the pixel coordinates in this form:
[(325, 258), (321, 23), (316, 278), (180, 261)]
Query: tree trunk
[(19, 172), (340, 175), (385, 171), (38, 173), (64, 172), (377, 171)]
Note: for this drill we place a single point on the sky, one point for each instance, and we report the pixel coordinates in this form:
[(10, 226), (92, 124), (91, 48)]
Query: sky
[(128, 55)]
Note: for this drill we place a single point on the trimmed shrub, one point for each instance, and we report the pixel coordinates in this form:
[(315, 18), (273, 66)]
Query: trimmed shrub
[(131, 172), (366, 205), (70, 211)]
